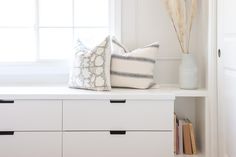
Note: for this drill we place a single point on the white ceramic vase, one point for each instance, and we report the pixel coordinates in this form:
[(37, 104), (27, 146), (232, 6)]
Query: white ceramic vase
[(188, 72)]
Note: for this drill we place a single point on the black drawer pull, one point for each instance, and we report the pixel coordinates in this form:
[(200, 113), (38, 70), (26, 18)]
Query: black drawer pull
[(6, 101), (118, 101), (6, 133), (117, 132)]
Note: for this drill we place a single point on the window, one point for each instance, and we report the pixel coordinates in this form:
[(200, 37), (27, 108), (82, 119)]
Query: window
[(37, 36), (45, 30)]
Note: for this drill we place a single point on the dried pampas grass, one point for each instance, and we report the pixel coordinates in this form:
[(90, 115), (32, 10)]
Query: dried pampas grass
[(182, 13)]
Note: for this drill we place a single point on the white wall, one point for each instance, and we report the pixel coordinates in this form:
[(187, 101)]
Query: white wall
[(146, 21)]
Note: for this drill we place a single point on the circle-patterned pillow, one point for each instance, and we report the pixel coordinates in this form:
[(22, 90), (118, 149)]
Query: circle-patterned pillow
[(91, 67)]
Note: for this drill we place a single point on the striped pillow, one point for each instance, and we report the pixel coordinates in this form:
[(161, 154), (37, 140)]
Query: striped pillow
[(133, 69)]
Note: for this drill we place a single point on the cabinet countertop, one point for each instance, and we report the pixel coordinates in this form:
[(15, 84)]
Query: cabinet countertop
[(162, 92)]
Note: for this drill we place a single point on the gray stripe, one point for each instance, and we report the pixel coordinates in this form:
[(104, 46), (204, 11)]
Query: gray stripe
[(131, 75), (142, 59)]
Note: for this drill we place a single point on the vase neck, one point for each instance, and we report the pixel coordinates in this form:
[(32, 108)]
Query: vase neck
[(188, 58)]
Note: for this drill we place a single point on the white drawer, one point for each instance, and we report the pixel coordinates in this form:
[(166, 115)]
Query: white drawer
[(132, 144), (118, 115), (30, 115), (31, 144)]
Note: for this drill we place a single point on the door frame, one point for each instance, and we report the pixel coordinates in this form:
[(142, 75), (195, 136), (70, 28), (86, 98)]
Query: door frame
[(212, 81)]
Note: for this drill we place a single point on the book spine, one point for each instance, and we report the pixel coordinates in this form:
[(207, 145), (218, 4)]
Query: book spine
[(177, 139), (175, 135), (193, 142), (187, 139), (181, 149)]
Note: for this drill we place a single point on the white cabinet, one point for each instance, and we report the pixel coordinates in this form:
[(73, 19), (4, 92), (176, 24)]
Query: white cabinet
[(131, 144), (30, 128), (30, 115), (118, 114), (30, 144), (118, 128), (74, 123)]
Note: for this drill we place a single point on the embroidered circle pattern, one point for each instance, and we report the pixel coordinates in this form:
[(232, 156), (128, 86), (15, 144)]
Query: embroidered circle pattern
[(89, 70)]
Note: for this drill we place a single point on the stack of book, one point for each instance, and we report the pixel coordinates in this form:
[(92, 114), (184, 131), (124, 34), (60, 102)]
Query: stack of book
[(184, 138)]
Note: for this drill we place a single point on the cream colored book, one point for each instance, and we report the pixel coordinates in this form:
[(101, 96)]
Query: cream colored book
[(181, 144)]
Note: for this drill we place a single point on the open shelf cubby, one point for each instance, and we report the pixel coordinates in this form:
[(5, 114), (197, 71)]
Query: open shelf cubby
[(195, 109)]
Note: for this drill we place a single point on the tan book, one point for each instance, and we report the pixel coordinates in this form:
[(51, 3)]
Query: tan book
[(187, 139), (193, 142)]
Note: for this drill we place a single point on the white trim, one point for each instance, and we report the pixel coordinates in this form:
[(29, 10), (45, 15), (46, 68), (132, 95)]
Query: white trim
[(165, 91), (36, 27), (220, 112), (212, 132), (115, 18), (48, 73)]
